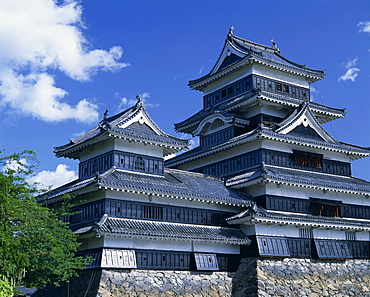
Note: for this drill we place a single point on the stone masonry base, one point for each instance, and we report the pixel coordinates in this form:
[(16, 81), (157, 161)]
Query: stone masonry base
[(254, 278)]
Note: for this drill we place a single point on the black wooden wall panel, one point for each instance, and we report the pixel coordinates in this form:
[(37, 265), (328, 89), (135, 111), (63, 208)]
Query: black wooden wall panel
[(332, 249), (128, 209), (359, 249), (299, 247)]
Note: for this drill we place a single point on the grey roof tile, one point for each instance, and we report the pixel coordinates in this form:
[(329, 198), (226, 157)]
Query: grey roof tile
[(302, 178), (257, 211), (175, 183), (170, 231), (112, 126)]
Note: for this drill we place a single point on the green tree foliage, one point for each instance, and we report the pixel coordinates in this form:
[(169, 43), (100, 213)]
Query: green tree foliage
[(36, 246)]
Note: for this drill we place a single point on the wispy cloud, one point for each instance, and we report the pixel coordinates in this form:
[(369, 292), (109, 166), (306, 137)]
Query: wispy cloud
[(364, 26), (128, 102), (51, 179), (352, 70), (36, 38)]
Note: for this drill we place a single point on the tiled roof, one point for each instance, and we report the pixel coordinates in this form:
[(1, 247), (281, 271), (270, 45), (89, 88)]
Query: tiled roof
[(252, 52), (169, 231), (176, 184), (173, 184), (353, 151), (261, 215), (324, 113), (302, 178), (68, 188), (119, 126)]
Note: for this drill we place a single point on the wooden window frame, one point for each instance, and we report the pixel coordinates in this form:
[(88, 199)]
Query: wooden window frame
[(307, 159), (325, 208)]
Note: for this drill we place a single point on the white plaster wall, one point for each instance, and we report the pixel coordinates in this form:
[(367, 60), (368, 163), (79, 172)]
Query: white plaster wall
[(121, 145), (329, 234), (306, 193), (222, 155), (276, 230), (280, 75), (202, 247), (138, 148), (97, 149), (169, 245), (228, 79)]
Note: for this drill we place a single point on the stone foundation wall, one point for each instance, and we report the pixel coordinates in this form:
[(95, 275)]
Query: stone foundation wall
[(145, 283), (254, 278), (303, 277)]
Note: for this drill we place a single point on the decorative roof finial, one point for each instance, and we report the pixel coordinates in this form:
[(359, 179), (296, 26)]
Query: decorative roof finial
[(105, 114), (274, 45), (231, 30), (139, 101)]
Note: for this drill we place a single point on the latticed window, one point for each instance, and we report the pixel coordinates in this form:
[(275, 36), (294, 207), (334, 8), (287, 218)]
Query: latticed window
[(305, 233), (153, 212), (139, 164), (326, 208), (350, 235), (308, 159)]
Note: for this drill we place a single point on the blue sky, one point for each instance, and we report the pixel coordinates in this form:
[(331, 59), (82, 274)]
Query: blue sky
[(63, 64)]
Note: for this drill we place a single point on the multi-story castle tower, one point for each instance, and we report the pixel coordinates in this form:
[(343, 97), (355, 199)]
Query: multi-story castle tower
[(265, 206), (261, 132)]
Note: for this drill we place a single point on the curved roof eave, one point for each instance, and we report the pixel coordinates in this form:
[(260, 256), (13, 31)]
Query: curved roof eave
[(311, 75), (355, 152)]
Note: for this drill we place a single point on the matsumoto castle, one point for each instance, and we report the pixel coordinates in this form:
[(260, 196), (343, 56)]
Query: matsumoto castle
[(268, 190)]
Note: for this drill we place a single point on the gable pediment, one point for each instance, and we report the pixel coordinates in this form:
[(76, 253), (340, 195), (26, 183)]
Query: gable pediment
[(302, 123), (145, 127), (306, 132), (139, 120), (228, 56)]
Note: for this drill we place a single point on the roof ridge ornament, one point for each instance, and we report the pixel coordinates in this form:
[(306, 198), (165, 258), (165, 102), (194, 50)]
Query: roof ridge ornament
[(274, 44), (231, 30), (139, 102)]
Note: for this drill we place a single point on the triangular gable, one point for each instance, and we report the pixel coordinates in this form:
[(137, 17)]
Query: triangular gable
[(141, 117), (144, 127), (229, 55), (304, 117)]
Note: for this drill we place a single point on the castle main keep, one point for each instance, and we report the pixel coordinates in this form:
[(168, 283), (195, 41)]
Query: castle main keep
[(266, 205)]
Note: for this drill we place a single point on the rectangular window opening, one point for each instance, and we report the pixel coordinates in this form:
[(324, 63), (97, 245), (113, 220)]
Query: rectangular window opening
[(308, 159)]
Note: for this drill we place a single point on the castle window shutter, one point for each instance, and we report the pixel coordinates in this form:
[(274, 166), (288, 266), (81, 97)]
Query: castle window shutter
[(115, 258), (273, 246), (332, 249), (206, 261)]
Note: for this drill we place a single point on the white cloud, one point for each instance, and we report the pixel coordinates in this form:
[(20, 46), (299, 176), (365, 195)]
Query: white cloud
[(14, 165), (40, 36), (352, 71), (52, 179), (364, 26)]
